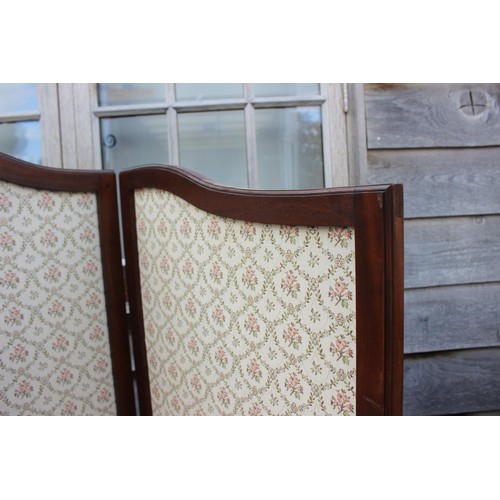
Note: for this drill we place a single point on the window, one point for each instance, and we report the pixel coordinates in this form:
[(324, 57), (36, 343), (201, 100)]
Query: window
[(29, 127), (256, 135), (266, 136), (20, 121)]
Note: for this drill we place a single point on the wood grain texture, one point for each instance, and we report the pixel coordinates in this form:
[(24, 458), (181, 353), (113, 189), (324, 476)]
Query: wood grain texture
[(432, 115), (441, 182), (452, 383), (448, 318), (452, 251)]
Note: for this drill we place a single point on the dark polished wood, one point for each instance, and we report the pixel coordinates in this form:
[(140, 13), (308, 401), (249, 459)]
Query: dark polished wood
[(375, 212), (103, 185)]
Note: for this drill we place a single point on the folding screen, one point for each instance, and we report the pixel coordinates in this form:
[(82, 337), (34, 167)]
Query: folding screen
[(263, 303), (63, 338)]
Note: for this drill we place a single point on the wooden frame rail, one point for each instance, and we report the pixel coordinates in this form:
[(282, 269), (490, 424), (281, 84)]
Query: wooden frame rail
[(375, 213), (103, 185)]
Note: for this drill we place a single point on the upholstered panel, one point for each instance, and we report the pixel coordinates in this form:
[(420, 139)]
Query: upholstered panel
[(244, 318), (54, 348)]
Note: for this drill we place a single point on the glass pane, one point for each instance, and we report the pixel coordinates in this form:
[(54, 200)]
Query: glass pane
[(289, 148), (285, 89), (22, 140), (133, 140), (213, 144), (200, 91), (18, 97), (114, 94)]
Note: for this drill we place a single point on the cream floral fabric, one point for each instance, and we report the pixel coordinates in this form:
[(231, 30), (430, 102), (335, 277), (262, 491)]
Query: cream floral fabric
[(242, 318), (54, 347)]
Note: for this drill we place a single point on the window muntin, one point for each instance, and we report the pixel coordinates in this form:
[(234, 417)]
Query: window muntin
[(239, 155), (20, 134)]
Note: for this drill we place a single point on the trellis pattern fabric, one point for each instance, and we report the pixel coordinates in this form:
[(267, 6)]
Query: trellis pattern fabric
[(243, 318), (54, 347)]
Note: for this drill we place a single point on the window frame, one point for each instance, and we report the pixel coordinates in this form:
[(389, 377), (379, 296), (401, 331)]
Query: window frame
[(330, 99), (47, 115)]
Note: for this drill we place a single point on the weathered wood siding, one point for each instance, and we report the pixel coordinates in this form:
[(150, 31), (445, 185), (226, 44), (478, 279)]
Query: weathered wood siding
[(442, 142)]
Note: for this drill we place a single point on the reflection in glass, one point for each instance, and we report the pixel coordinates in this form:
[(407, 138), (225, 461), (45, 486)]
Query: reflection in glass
[(113, 94), (22, 140), (289, 148), (133, 140), (213, 144), (18, 97), (285, 89), (200, 91)]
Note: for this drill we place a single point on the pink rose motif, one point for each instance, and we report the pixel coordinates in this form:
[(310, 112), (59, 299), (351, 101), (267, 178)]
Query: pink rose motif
[(64, 377), (290, 233), (223, 397), (23, 390), (164, 264), (342, 350), (18, 354), (190, 307), (172, 371), (9, 280), (46, 202), (341, 403), (185, 228), (5, 203), (90, 268), (291, 335), (216, 273), (6, 241), (290, 285), (248, 231), (249, 278), (85, 200), (69, 409), (176, 404), (56, 309), (193, 346), (170, 336), (220, 357), (251, 325), (255, 410), (60, 344), (52, 274), (196, 383), (187, 268), (87, 235), (294, 386), (218, 316), (101, 365), (340, 235), (162, 227), (97, 333), (254, 370), (93, 301), (14, 317), (104, 395), (214, 229), (340, 293)]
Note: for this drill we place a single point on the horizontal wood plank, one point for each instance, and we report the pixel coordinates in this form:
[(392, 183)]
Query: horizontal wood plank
[(432, 115), (452, 383), (450, 318), (452, 251), (440, 182)]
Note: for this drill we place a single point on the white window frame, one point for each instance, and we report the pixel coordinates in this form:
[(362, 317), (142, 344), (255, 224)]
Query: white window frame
[(80, 117), (48, 116)]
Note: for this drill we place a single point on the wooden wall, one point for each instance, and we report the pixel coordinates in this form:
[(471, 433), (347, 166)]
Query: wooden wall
[(442, 142)]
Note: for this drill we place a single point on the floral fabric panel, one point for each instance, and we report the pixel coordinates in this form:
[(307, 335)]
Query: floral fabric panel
[(54, 346), (242, 318)]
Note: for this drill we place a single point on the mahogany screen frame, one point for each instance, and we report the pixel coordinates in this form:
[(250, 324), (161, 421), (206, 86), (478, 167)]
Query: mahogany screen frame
[(375, 213), (103, 185)]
